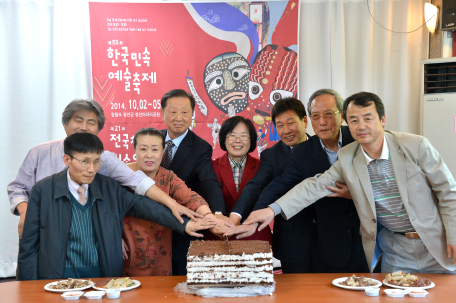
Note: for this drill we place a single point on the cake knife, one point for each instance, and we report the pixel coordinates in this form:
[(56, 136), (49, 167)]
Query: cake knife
[(228, 242)]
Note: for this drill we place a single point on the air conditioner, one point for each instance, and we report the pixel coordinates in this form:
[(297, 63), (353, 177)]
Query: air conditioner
[(438, 107)]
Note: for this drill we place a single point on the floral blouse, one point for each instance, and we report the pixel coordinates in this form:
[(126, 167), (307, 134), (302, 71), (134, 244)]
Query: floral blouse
[(149, 244)]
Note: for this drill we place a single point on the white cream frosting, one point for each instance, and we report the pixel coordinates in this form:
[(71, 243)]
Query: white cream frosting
[(226, 277)]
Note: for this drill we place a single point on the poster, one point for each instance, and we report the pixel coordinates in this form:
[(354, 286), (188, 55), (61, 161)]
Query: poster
[(235, 58)]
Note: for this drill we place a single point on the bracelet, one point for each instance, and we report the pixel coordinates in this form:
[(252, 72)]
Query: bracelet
[(207, 214)]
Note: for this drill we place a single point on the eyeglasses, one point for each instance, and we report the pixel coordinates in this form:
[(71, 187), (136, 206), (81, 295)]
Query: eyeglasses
[(232, 137), (326, 116), (87, 163)]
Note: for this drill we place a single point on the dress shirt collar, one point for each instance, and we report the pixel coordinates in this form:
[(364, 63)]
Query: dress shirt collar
[(73, 186), (177, 141), (383, 156), (339, 144), (241, 163)]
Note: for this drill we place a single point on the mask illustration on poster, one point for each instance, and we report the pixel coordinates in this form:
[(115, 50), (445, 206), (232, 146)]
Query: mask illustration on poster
[(226, 79), (274, 76)]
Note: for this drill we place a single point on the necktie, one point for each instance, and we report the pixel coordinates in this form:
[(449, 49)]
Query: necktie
[(168, 155), (237, 169), (82, 198)]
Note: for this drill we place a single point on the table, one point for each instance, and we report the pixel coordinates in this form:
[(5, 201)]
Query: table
[(309, 288)]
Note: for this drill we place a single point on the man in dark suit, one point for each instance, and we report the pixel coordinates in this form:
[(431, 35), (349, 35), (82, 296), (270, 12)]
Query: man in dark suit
[(337, 246), (289, 117), (189, 157)]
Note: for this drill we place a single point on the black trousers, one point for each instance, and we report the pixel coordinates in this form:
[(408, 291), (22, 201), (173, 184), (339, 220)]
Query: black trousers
[(356, 264)]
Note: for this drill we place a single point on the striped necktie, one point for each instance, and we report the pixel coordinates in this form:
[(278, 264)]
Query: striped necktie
[(168, 155)]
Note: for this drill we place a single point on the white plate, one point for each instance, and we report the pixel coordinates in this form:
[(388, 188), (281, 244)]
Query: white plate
[(336, 283), (137, 284), (46, 287), (405, 287)]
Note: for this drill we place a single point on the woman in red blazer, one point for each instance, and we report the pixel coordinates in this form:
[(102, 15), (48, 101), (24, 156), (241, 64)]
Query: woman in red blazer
[(238, 138)]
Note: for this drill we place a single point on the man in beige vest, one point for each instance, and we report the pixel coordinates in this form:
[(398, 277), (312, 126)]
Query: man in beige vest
[(397, 179)]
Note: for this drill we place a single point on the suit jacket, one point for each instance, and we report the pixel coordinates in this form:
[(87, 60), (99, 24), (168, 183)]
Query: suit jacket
[(193, 164), (43, 247), (224, 174), (273, 161), (336, 218), (426, 187)]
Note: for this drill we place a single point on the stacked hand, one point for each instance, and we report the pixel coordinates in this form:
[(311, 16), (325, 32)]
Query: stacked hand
[(242, 231), (199, 224), (263, 216), (223, 223)]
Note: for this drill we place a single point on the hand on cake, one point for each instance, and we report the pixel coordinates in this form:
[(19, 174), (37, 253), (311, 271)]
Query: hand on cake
[(199, 224), (340, 191), (263, 216), (242, 231), (223, 223)]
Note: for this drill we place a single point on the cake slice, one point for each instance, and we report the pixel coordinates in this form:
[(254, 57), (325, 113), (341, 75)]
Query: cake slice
[(229, 263)]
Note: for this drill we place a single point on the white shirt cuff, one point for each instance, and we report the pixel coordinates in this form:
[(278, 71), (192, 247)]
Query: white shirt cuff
[(236, 214), (144, 186)]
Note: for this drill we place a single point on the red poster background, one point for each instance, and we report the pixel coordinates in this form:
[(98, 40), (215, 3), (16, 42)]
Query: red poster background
[(123, 35)]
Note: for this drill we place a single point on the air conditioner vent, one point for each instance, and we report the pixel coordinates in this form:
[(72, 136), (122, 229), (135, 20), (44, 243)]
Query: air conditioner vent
[(440, 78)]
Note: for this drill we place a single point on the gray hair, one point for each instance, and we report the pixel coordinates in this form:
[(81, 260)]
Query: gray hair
[(78, 105), (327, 91)]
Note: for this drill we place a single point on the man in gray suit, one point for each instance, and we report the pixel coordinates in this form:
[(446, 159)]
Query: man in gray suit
[(397, 179)]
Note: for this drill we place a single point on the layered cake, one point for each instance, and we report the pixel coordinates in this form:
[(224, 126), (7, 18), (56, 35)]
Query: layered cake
[(229, 263)]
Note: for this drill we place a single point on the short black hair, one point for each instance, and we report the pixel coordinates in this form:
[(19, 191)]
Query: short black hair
[(82, 143), (230, 124), (287, 104), (148, 131), (177, 93), (365, 99)]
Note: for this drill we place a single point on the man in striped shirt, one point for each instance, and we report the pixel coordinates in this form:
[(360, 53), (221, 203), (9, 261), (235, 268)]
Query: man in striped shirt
[(73, 226), (398, 182)]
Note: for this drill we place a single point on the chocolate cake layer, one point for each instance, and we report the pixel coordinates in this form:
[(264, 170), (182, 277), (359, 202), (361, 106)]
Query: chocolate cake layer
[(240, 263)]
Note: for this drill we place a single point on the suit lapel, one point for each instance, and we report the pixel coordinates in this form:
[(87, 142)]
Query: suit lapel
[(226, 174), (359, 163), (399, 168), (182, 152), (319, 155)]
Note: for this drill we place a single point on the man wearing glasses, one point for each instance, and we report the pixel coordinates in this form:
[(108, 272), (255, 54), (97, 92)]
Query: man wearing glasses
[(290, 119), (336, 243), (73, 227), (43, 160), (404, 193)]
